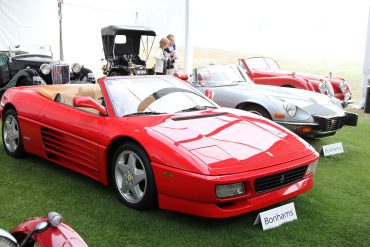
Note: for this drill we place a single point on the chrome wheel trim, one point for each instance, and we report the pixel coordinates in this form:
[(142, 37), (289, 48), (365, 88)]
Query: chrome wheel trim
[(11, 133), (130, 176)]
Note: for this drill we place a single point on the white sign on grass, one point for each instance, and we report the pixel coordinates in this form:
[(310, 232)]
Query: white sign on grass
[(277, 216), (331, 149)]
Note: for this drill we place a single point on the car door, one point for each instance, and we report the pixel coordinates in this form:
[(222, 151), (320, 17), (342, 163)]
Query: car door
[(72, 137)]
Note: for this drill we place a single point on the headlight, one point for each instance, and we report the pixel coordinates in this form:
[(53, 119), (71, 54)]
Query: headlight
[(45, 68), (312, 167), (343, 86), (229, 190), (326, 88), (322, 87), (76, 67), (290, 108), (55, 219)]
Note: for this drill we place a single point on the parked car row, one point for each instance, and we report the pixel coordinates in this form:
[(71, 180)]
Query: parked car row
[(205, 146), (306, 113)]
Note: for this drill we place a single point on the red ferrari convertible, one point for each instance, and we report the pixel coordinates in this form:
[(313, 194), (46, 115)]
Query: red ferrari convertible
[(158, 140)]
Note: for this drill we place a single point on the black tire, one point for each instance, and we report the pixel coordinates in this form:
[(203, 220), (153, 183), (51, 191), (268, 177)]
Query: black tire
[(258, 110), (12, 135), (25, 81), (115, 73), (129, 164), (288, 86)]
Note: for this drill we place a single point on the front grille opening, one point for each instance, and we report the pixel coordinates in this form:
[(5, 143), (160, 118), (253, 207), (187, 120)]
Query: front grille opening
[(278, 180), (60, 73), (334, 124), (330, 124)]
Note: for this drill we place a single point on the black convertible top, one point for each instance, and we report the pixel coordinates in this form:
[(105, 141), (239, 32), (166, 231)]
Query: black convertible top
[(127, 30), (133, 36)]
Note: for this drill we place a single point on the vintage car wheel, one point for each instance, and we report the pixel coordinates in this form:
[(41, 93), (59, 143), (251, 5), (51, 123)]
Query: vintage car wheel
[(11, 134), (258, 110), (133, 177)]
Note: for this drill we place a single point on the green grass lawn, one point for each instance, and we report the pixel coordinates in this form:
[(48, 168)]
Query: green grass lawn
[(336, 212)]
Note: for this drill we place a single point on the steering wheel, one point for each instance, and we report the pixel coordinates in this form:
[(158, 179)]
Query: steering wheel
[(159, 94)]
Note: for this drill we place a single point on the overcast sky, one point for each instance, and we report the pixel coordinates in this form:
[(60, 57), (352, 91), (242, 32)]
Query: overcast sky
[(315, 28)]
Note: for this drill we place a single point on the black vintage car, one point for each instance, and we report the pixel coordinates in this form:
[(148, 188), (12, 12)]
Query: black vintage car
[(19, 67), (126, 49)]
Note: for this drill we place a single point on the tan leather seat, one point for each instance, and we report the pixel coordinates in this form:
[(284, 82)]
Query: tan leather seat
[(65, 93)]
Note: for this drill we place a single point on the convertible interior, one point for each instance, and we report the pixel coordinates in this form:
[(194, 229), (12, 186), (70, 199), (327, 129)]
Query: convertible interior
[(65, 93)]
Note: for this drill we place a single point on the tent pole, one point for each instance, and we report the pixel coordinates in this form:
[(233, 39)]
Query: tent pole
[(188, 42), (61, 56)]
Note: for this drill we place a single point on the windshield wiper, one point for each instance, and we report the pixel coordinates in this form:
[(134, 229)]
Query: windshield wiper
[(198, 108), (143, 113)]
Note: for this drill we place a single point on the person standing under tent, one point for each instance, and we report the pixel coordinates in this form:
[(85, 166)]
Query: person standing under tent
[(160, 57), (171, 53)]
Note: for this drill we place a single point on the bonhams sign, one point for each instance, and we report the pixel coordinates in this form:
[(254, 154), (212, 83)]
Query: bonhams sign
[(276, 216), (332, 149)]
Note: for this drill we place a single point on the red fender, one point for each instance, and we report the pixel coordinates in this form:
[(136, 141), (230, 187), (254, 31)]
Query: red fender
[(63, 235)]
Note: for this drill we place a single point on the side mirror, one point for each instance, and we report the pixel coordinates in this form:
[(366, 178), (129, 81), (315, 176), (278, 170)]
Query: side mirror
[(87, 101), (210, 93)]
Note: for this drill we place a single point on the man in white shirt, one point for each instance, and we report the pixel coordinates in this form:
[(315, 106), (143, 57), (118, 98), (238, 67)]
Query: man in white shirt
[(170, 52)]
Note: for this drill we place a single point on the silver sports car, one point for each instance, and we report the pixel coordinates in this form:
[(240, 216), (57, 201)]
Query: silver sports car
[(306, 113)]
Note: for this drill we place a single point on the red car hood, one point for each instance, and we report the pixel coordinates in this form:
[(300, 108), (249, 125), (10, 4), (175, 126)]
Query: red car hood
[(228, 143), (309, 77)]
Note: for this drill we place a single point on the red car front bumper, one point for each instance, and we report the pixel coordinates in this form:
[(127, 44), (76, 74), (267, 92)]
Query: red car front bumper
[(195, 194)]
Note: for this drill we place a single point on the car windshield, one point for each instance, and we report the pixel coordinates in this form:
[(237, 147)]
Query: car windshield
[(30, 49), (222, 75), (153, 95), (262, 64)]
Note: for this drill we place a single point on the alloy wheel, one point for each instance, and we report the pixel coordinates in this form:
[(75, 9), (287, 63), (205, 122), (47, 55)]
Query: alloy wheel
[(11, 133), (130, 176)]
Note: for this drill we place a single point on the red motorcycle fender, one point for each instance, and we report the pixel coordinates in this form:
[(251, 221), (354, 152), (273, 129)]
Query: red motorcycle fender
[(63, 235)]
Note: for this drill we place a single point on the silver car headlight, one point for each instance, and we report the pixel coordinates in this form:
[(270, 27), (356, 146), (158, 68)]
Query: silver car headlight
[(230, 190), (45, 68), (312, 167), (290, 108), (343, 86), (76, 67), (326, 88), (322, 87)]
